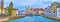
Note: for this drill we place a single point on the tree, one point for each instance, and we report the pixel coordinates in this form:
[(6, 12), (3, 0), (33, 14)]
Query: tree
[(37, 12)]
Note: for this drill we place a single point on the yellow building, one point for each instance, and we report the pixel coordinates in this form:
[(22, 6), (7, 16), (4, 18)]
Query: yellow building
[(2, 11), (53, 6), (14, 12)]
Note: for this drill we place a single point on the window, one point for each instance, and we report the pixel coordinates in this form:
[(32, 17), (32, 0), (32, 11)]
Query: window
[(58, 14), (59, 11)]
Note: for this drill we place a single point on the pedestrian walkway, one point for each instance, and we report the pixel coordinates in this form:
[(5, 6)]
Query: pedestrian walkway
[(4, 19)]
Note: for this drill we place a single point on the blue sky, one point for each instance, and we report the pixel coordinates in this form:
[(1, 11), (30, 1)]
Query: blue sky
[(21, 4)]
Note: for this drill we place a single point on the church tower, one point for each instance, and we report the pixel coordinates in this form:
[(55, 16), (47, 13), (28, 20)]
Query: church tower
[(10, 9), (2, 5)]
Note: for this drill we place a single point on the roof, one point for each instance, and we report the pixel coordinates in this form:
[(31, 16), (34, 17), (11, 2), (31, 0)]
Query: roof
[(13, 8), (36, 9), (3, 15), (58, 4)]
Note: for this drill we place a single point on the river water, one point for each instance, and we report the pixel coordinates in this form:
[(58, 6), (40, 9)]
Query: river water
[(34, 19)]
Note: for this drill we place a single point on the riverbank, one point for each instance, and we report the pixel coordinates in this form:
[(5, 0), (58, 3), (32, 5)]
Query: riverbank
[(52, 17), (15, 17), (4, 19), (34, 19)]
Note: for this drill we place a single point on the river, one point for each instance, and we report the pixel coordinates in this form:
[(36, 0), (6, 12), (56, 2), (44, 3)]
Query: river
[(34, 19)]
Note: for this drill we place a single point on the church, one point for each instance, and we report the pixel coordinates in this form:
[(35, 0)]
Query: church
[(9, 10)]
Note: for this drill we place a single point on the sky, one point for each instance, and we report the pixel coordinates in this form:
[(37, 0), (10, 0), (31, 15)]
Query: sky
[(22, 4)]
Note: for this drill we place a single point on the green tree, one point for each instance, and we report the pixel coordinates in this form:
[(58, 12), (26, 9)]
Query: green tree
[(37, 12)]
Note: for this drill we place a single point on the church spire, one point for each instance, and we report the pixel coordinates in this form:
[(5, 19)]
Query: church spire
[(11, 0), (11, 5), (10, 8)]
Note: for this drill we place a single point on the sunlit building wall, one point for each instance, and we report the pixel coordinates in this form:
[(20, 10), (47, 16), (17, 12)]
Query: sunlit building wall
[(53, 8), (14, 12), (37, 11), (47, 11), (2, 6)]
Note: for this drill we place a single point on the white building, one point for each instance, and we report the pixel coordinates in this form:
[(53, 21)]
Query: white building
[(47, 11), (58, 12), (52, 9)]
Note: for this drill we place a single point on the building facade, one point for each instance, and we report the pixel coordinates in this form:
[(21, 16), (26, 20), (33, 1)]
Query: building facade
[(36, 11), (58, 12), (2, 6), (53, 10), (47, 11), (14, 12)]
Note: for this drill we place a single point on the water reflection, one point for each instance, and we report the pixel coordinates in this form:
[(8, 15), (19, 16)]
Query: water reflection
[(33, 19)]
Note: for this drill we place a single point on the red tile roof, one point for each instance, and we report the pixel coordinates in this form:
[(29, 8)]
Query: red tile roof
[(13, 8), (59, 4), (37, 9)]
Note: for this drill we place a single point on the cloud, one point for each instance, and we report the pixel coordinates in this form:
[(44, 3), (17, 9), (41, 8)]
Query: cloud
[(32, 3), (6, 3), (29, 2)]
